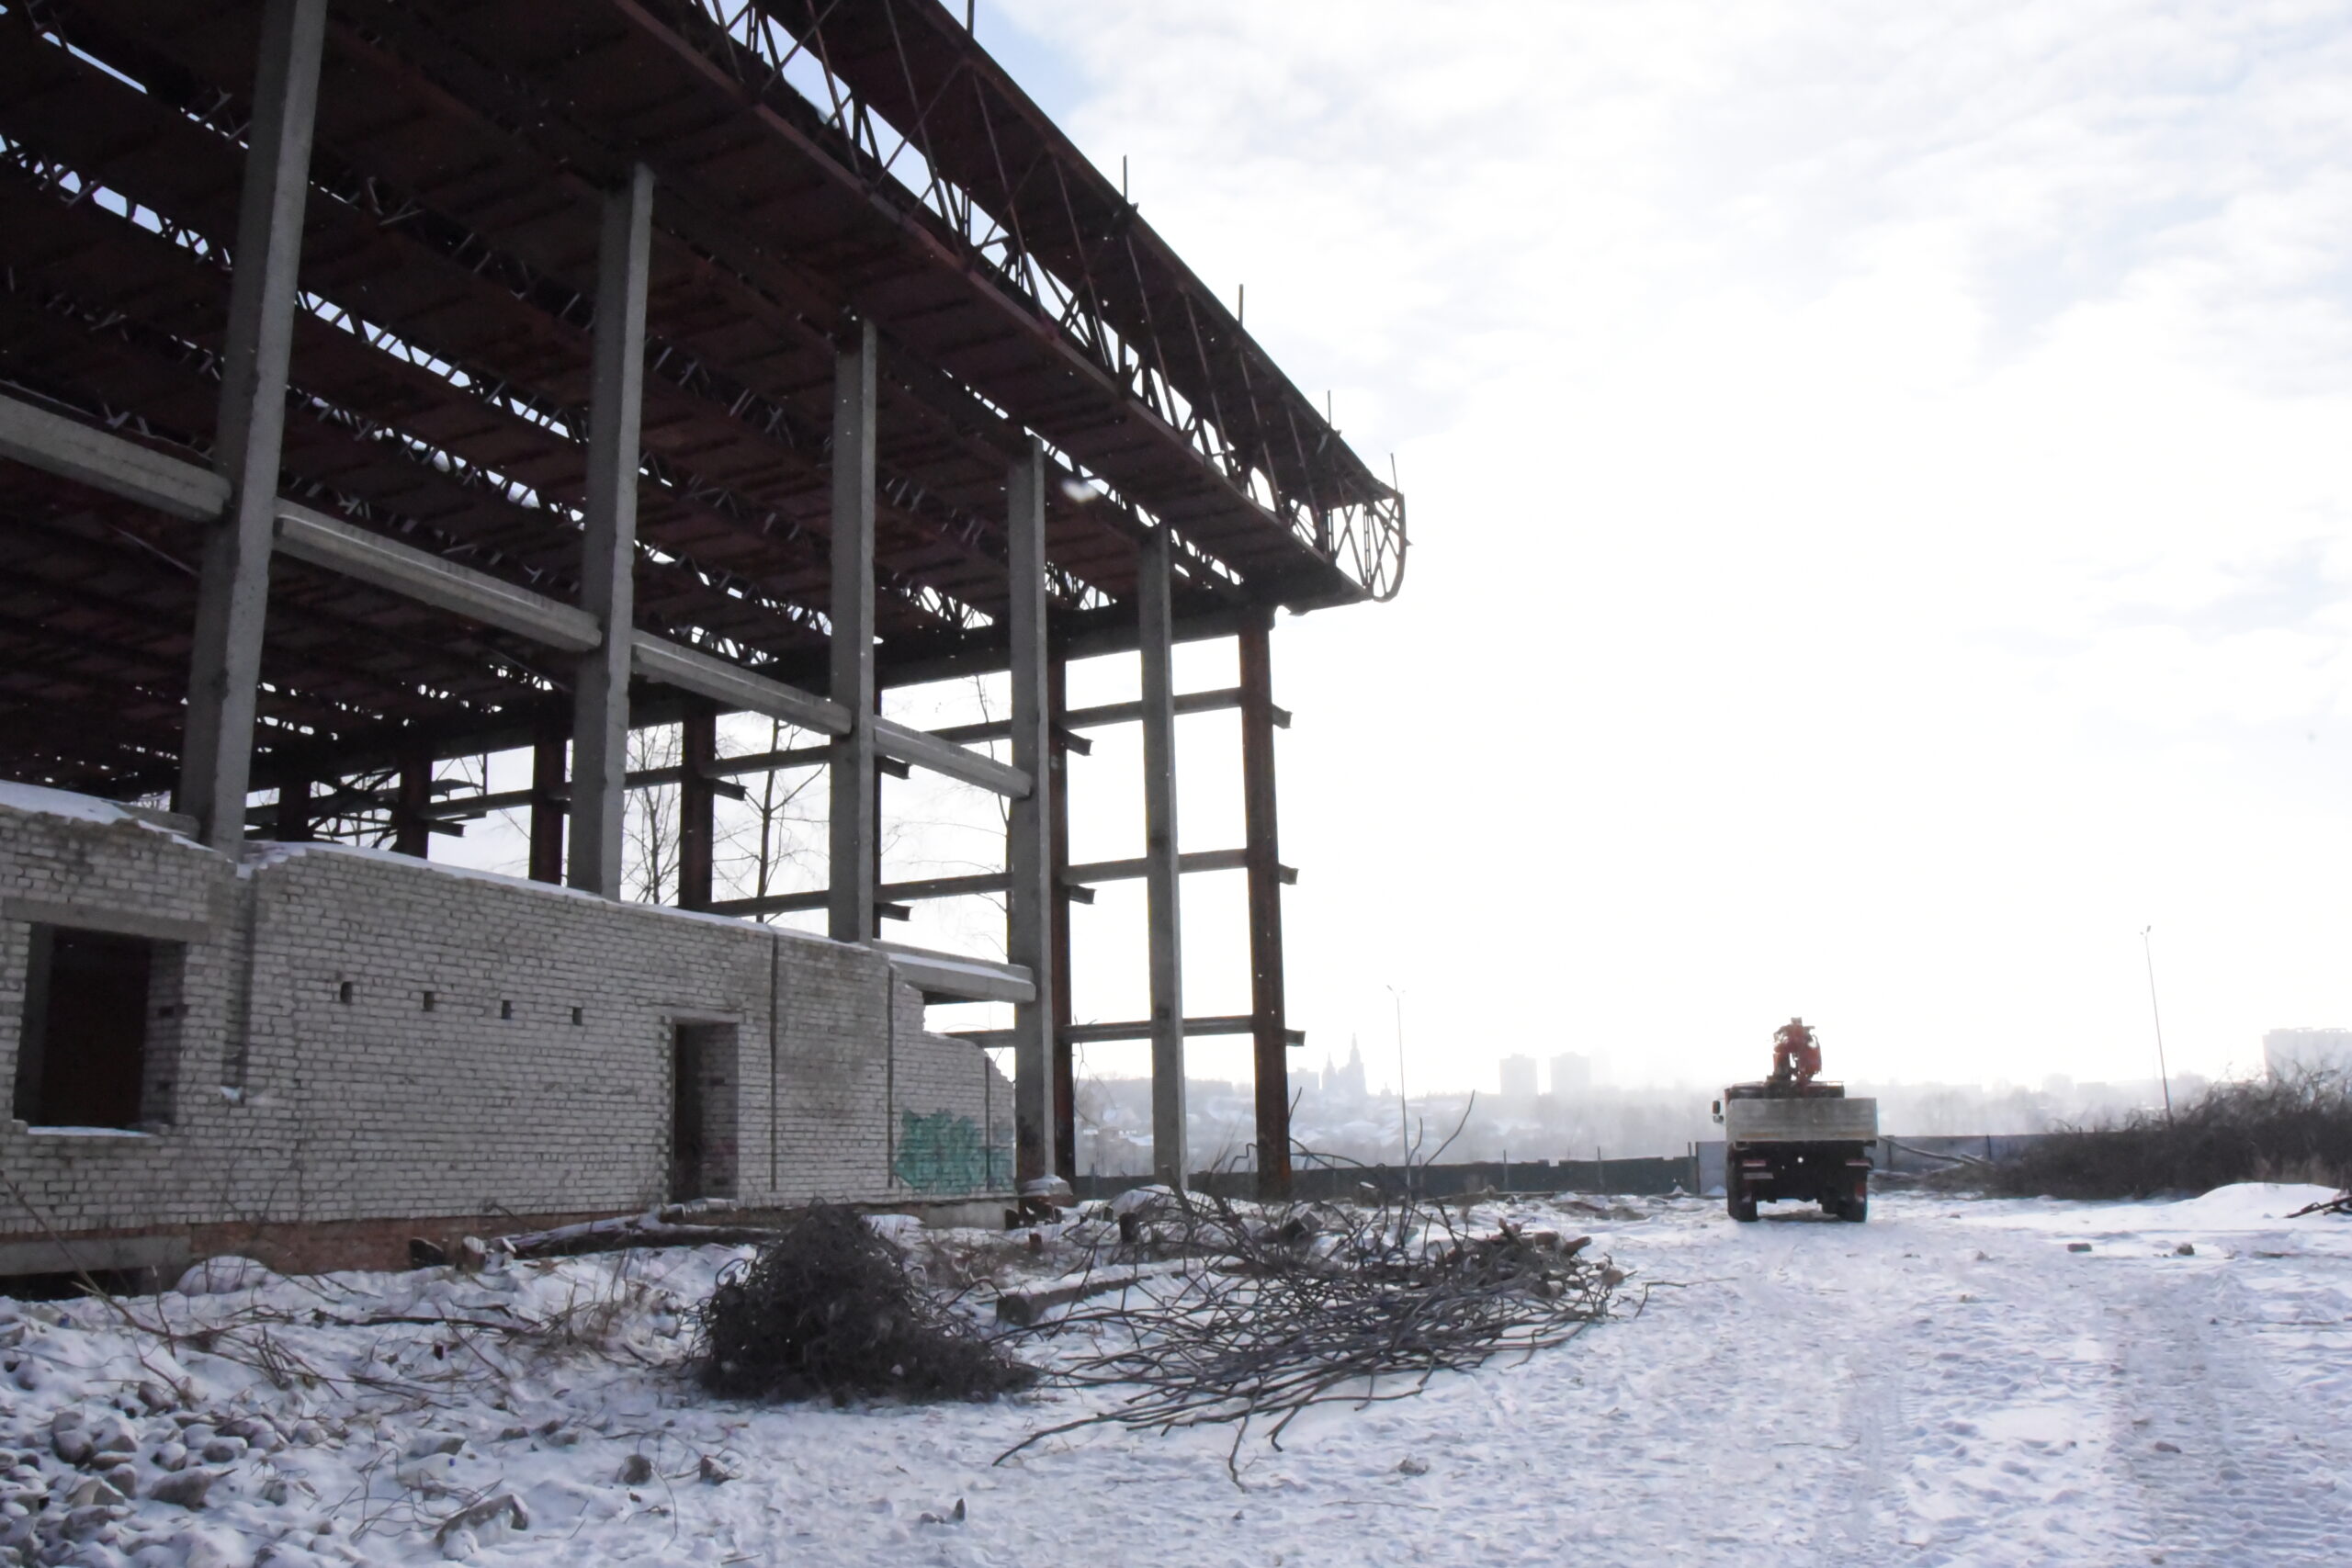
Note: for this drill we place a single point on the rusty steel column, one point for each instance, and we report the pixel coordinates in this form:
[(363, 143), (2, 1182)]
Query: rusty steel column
[(697, 806), (547, 804), (1269, 1027), (411, 826), (293, 822), (232, 583), (1064, 1086)]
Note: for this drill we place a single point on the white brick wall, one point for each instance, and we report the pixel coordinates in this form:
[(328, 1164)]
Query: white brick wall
[(288, 1104)]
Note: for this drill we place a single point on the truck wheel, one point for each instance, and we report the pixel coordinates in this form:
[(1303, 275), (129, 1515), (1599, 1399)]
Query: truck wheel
[(1855, 1209), (1737, 1202)]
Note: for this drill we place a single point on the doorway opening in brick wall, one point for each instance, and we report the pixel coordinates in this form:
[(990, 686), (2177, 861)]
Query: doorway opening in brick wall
[(701, 1111), (84, 1056)]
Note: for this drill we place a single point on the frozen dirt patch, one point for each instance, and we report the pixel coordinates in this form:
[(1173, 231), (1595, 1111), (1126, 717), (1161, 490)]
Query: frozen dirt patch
[(1945, 1384)]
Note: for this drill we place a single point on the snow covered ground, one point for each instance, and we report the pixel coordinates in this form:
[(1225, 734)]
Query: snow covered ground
[(1951, 1383)]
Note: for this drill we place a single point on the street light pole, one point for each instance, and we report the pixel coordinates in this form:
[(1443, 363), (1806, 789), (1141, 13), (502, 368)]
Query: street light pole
[(2163, 1072)]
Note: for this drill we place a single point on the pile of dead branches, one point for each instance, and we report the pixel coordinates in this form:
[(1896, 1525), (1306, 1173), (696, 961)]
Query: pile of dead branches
[(1283, 1309), (829, 1310)]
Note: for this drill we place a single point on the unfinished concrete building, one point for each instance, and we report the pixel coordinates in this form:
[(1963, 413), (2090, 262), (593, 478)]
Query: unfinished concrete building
[(386, 381)]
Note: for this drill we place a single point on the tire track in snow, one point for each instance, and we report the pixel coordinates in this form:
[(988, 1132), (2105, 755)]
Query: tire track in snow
[(2246, 1485)]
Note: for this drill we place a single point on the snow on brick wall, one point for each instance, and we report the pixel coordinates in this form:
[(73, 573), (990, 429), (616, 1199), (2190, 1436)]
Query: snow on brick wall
[(505, 1047)]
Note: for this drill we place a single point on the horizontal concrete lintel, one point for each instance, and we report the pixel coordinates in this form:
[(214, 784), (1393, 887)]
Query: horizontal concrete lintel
[(104, 917), (947, 976), (1077, 883), (1108, 716), (1190, 863), (919, 748), (1104, 1033), (734, 688), (888, 893), (339, 546), (72, 450)]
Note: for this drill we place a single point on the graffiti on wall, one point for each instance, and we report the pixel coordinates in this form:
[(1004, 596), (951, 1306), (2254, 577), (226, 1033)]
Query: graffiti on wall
[(946, 1152)]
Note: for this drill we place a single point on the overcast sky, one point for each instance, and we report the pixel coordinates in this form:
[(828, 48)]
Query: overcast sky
[(1879, 495)]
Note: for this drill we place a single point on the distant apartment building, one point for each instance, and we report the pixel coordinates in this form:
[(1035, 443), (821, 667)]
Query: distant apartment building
[(2307, 1050), (1519, 1078), (1571, 1073)]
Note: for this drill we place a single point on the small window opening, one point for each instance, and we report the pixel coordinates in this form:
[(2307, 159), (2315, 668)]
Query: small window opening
[(506, 1009), (81, 1060), (428, 1001), (342, 992), (578, 1016)]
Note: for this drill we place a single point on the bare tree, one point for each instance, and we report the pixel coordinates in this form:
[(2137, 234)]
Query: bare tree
[(776, 832), (649, 818)]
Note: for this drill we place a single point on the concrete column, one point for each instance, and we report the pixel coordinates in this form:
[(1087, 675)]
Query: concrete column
[(232, 592), (1029, 857), (1170, 1158), (411, 826), (857, 838), (608, 550), (546, 806), (1269, 1027), (1065, 1088), (697, 806)]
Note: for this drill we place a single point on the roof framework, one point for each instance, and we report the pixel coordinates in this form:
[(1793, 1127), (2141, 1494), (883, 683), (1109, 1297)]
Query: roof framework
[(819, 164)]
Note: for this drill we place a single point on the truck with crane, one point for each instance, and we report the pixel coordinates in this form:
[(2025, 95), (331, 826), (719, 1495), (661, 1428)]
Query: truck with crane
[(1796, 1136)]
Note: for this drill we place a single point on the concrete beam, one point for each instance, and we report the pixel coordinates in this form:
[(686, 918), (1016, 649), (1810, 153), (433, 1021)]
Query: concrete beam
[(1106, 715), (1113, 1034), (106, 918), (772, 762), (1075, 881), (608, 549), (72, 450), (1218, 700), (232, 591), (854, 839), (951, 977), (1092, 872), (890, 892), (732, 687), (1065, 739), (921, 748), (412, 573), (1155, 629)]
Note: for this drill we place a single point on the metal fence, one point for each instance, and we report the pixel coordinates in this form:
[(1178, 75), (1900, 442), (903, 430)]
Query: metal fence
[(1698, 1171)]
